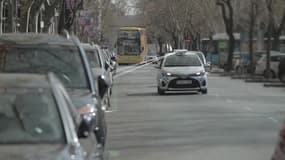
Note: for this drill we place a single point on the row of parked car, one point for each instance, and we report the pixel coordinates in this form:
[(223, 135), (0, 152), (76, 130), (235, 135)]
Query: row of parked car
[(54, 92), (277, 68)]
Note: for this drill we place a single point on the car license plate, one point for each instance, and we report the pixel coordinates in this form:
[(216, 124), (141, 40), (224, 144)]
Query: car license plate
[(184, 82)]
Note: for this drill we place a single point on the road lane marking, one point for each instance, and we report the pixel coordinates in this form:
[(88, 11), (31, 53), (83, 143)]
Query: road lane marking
[(136, 67), (131, 70), (216, 95), (247, 108), (229, 101), (115, 154), (273, 119)]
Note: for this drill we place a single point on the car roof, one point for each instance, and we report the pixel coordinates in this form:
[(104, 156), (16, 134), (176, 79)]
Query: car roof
[(186, 53), (35, 39), (11, 80), (87, 46), (196, 52), (180, 50)]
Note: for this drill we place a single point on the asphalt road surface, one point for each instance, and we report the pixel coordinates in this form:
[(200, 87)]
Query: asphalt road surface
[(236, 120)]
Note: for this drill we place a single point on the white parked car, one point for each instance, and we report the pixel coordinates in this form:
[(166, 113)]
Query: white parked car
[(275, 58)]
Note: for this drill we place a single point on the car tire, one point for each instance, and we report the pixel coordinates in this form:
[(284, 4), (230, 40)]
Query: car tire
[(160, 91), (108, 103), (204, 91), (101, 131), (271, 74)]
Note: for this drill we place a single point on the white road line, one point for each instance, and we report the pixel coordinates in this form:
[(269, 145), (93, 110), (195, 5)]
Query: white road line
[(273, 119), (229, 101), (247, 108), (217, 95), (131, 70), (135, 67)]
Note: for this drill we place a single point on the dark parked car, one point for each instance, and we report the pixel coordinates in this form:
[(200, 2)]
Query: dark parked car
[(281, 70), (38, 121), (43, 53), (111, 59)]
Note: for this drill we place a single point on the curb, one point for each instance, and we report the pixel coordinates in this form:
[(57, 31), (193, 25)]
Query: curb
[(274, 85)]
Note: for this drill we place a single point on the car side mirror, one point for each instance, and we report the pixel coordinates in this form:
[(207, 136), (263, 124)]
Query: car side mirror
[(103, 86), (207, 66), (107, 66)]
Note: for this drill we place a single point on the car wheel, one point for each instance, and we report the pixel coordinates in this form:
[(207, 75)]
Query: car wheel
[(108, 102), (160, 91), (101, 130), (204, 91), (282, 77), (270, 76)]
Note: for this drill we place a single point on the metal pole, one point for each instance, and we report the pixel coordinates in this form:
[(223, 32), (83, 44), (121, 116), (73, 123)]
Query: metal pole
[(1, 17), (28, 16)]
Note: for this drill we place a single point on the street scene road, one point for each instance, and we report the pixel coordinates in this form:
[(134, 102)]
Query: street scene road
[(235, 120)]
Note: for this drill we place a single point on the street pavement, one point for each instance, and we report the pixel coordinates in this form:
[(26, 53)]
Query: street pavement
[(236, 120)]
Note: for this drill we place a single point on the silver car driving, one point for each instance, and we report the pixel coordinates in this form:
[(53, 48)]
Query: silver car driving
[(181, 71)]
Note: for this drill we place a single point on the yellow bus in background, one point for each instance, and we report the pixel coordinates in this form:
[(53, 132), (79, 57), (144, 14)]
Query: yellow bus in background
[(131, 45)]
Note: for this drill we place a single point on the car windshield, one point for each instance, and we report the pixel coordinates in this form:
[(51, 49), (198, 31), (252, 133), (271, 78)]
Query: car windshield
[(64, 61), (201, 56), (29, 116), (182, 61), (94, 58)]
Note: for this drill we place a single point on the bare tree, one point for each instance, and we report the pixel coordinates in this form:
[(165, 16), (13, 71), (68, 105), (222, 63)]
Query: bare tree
[(278, 20), (253, 13), (228, 17), (269, 4)]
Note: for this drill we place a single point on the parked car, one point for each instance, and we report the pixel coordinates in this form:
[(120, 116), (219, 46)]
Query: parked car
[(207, 65), (111, 60), (281, 72), (38, 120), (241, 61), (43, 53), (275, 58), (182, 71), (100, 68), (114, 62), (279, 153)]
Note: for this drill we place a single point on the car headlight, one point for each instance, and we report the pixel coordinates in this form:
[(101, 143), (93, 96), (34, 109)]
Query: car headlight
[(202, 73), (166, 74)]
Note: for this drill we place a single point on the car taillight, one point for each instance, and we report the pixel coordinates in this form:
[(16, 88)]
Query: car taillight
[(86, 109)]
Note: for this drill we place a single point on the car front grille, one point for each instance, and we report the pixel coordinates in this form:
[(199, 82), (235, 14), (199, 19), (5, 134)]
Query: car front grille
[(173, 83)]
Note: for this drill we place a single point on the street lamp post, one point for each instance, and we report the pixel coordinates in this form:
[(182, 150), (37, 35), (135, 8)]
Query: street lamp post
[(1, 16)]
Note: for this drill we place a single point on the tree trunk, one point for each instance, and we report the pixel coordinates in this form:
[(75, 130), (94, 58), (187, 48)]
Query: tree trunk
[(231, 45), (269, 34), (251, 65), (276, 42), (251, 32), (160, 44)]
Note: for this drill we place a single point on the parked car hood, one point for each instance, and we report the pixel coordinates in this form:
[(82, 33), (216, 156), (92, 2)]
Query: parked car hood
[(81, 97), (34, 152), (183, 70)]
